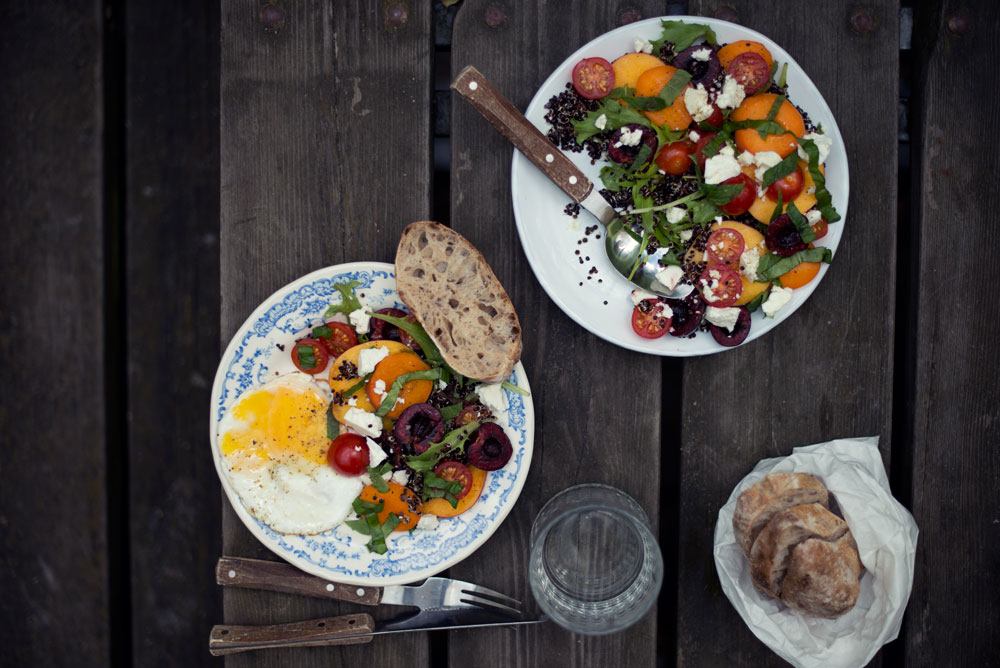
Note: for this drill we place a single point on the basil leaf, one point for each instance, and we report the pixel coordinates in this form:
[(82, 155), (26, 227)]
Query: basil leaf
[(645, 103), (714, 145), (756, 302), (771, 266), (451, 411), (322, 332), (673, 88), (414, 329), (682, 35), (824, 201), (777, 207), (389, 400), (359, 525), (390, 525), (452, 443), (348, 302), (332, 426), (782, 169), (362, 507), (702, 211), (801, 224), (640, 159), (375, 474), (720, 193), (307, 357)]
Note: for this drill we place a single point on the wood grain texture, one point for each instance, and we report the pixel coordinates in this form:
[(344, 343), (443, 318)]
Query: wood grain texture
[(172, 301), (53, 503), (953, 615), (325, 138), (592, 423), (827, 371)]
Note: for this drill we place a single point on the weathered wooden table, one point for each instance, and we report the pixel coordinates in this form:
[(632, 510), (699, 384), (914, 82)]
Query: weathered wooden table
[(159, 181)]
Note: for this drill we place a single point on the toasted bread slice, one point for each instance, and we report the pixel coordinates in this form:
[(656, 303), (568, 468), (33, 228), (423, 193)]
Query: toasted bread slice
[(455, 295)]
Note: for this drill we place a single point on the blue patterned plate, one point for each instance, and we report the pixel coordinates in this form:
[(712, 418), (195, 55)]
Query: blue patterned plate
[(254, 356)]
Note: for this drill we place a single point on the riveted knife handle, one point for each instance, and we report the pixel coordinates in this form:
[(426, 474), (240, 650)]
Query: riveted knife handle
[(529, 140), (310, 633), (279, 576)]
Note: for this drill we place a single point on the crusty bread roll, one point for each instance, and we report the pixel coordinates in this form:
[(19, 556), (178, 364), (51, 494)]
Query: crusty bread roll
[(771, 551), (457, 298), (823, 577), (775, 493)]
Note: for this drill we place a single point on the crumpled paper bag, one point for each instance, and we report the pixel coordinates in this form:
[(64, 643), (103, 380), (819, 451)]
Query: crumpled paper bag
[(886, 534)]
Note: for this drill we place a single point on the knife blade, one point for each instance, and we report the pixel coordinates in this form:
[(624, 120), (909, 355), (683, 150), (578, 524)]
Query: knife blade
[(345, 630)]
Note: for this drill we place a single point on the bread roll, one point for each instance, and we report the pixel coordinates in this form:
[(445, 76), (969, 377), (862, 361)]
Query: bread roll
[(775, 493), (823, 577), (770, 553), (450, 288)]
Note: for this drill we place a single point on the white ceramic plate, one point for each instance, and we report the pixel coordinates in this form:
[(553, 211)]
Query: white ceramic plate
[(550, 237), (253, 357)]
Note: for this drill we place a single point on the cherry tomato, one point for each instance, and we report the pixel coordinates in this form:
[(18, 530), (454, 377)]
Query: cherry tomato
[(451, 470), (675, 158), (820, 228), (789, 186), (716, 119), (593, 78), (721, 285), (750, 71), (310, 362), (348, 454), (648, 319), (700, 144), (336, 338), (725, 246), (744, 198)]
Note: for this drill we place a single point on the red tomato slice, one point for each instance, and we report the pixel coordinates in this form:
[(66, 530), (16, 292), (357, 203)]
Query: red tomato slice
[(348, 454), (725, 246), (750, 71), (336, 337), (593, 78), (790, 186), (820, 229), (451, 470), (648, 319), (744, 198), (675, 158), (311, 363), (699, 145), (721, 285)]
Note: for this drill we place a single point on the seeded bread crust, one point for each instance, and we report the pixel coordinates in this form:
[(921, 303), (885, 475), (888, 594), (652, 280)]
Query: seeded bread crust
[(448, 285), (775, 493)]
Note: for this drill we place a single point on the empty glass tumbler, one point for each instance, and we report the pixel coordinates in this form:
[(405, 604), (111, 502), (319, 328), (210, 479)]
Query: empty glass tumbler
[(595, 567)]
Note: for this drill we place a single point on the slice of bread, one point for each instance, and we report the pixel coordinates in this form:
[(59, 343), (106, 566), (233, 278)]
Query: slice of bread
[(455, 295)]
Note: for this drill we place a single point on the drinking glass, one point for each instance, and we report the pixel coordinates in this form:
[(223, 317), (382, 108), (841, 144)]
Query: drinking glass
[(595, 567)]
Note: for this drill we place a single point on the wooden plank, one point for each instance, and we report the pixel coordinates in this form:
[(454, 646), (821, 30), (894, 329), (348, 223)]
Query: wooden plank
[(827, 371), (608, 433), (953, 618), (53, 497), (172, 264), (325, 138)]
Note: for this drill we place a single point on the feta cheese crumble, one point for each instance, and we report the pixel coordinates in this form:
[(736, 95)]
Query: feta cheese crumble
[(494, 397), (722, 166), (640, 45), (601, 122), (369, 357), (813, 216), (670, 277), (638, 295), (363, 422), (722, 317), (749, 262), (694, 136), (696, 102), (376, 455), (676, 214), (764, 160), (360, 320), (823, 144), (732, 94), (702, 54), (630, 137), (776, 300)]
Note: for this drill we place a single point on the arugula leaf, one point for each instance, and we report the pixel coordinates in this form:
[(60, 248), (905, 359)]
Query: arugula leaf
[(782, 169), (824, 200), (771, 266), (682, 35), (414, 329), (389, 400), (801, 224), (348, 302), (452, 442), (617, 115), (307, 357), (702, 211)]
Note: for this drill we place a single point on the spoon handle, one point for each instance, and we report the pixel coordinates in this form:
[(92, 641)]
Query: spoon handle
[(505, 117)]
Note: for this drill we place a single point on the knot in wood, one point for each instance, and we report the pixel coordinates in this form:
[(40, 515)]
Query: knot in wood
[(272, 17), (496, 16), (727, 13), (628, 15), (862, 21), (960, 23), (396, 14)]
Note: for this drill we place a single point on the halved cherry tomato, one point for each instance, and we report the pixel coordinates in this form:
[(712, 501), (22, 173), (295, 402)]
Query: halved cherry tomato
[(336, 337), (789, 186), (741, 202), (348, 454), (675, 158), (648, 319), (451, 470), (593, 78), (820, 228), (750, 71), (720, 285), (725, 246), (310, 356), (700, 145)]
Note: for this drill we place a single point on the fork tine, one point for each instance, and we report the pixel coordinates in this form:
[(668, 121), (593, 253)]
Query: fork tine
[(487, 604), (489, 593)]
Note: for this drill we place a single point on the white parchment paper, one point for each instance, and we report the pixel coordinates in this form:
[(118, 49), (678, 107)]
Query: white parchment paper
[(886, 534)]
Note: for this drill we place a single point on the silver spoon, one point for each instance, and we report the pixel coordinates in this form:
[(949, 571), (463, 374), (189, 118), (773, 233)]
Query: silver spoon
[(622, 247)]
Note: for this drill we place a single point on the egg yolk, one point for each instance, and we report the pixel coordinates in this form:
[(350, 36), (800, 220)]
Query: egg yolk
[(279, 424)]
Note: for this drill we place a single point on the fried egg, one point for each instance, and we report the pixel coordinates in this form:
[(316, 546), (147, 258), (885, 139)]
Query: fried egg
[(274, 444)]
